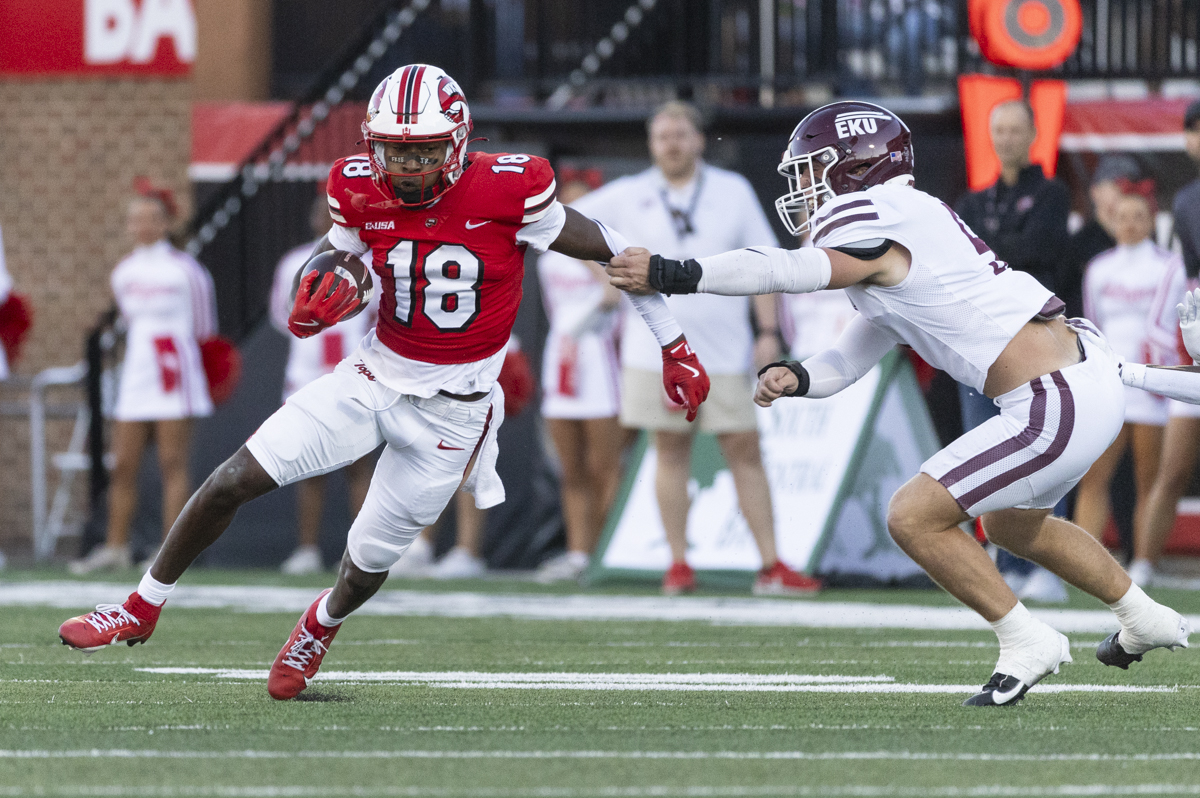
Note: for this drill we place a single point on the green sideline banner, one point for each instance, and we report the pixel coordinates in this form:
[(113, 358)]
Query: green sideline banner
[(833, 464)]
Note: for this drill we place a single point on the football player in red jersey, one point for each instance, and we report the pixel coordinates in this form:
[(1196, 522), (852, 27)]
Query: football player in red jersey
[(447, 233)]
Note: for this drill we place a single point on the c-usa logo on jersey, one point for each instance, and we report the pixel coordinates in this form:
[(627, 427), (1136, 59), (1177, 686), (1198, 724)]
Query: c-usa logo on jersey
[(859, 123)]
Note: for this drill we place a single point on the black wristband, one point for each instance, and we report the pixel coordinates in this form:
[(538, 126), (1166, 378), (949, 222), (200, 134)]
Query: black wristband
[(797, 368), (674, 276)]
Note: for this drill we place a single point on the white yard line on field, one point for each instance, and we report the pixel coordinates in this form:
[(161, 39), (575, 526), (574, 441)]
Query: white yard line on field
[(806, 756), (656, 791), (582, 607), (727, 682)]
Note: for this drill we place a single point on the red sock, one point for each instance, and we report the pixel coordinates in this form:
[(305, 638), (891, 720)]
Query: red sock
[(141, 609)]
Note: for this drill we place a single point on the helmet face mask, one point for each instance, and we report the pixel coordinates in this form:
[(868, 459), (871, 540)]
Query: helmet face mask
[(417, 104), (807, 189), (839, 149)]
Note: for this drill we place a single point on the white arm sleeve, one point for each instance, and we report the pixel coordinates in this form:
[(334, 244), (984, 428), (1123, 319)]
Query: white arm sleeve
[(1169, 382), (765, 270), (651, 307), (540, 235), (346, 239), (860, 346)]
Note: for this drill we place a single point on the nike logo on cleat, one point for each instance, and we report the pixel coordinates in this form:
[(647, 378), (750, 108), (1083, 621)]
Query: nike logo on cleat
[(1004, 696), (479, 224), (442, 445)]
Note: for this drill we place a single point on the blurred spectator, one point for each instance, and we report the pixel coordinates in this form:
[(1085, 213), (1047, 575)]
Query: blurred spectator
[(6, 285), (465, 559), (685, 208), (1119, 292), (1181, 443), (812, 322), (581, 394), (1022, 217), (308, 359), (167, 304), (1096, 235)]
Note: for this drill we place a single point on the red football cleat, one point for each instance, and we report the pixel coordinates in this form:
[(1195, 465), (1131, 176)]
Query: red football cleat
[(300, 658), (679, 578), (779, 580), (109, 624)]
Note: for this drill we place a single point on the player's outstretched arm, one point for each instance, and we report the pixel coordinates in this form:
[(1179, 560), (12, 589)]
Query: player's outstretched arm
[(753, 271), (1174, 382), (684, 379), (860, 346)]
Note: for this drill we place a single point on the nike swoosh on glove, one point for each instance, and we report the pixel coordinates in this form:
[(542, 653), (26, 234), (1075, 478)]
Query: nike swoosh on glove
[(683, 377), (314, 311)]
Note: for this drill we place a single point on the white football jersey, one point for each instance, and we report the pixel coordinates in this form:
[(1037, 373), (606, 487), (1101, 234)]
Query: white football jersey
[(959, 306)]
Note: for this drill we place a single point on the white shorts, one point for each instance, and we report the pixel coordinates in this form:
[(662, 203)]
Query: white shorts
[(162, 378), (1048, 434), (1146, 408), (580, 376), (343, 416)]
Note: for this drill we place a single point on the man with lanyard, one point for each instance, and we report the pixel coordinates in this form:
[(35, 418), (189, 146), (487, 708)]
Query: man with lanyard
[(1023, 218), (683, 206)]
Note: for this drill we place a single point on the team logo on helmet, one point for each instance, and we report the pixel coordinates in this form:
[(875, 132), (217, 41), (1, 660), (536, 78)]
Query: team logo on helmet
[(452, 101), (859, 123)]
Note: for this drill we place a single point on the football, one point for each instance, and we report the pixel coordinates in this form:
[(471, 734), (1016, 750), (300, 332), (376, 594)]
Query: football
[(346, 265)]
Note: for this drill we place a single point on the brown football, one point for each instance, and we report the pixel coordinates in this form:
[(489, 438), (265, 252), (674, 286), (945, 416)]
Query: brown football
[(347, 266)]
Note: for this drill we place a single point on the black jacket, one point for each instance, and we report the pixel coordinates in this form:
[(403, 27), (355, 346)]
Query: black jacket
[(1187, 225), (1084, 244), (1025, 225)]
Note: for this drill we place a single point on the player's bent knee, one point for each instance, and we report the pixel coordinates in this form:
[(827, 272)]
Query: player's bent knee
[(238, 480)]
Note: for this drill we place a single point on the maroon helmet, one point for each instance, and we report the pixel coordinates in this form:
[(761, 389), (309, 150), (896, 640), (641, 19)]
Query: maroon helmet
[(841, 137)]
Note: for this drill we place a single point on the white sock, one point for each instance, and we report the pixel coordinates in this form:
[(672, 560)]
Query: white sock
[(1016, 628), (153, 591), (1133, 606), (323, 616)]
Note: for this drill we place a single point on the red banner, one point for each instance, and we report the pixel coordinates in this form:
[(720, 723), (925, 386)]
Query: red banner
[(97, 37)]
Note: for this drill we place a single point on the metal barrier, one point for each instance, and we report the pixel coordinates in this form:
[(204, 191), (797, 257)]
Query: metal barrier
[(48, 522)]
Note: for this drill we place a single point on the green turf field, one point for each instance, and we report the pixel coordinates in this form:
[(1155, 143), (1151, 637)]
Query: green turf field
[(76, 725)]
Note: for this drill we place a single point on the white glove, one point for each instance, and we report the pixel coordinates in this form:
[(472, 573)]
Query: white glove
[(1189, 323)]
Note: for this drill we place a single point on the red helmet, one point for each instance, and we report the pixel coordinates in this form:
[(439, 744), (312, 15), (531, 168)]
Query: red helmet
[(841, 137)]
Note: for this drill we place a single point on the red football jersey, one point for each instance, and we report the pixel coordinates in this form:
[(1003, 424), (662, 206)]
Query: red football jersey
[(450, 273)]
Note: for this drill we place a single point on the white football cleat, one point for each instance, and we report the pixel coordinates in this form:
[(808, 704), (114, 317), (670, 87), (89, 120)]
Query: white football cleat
[(1168, 629), (1020, 669), (1043, 586), (1141, 572)]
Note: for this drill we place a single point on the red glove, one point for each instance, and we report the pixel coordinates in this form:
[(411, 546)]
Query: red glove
[(683, 377), (516, 380), (314, 311)]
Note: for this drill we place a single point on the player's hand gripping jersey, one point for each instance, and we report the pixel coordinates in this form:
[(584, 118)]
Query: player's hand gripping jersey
[(450, 273)]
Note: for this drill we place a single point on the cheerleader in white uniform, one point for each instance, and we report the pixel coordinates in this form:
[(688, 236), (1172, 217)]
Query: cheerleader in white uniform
[(1120, 294), (581, 395), (168, 306), (308, 359)]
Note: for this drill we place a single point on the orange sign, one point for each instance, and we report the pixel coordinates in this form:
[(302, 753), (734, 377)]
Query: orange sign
[(1026, 34), (979, 94)]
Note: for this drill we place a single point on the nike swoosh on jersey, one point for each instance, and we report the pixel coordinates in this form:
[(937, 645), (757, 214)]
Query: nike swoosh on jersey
[(442, 445), (481, 224)]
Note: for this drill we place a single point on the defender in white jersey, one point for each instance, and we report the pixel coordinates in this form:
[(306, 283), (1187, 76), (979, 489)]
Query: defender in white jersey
[(919, 276)]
